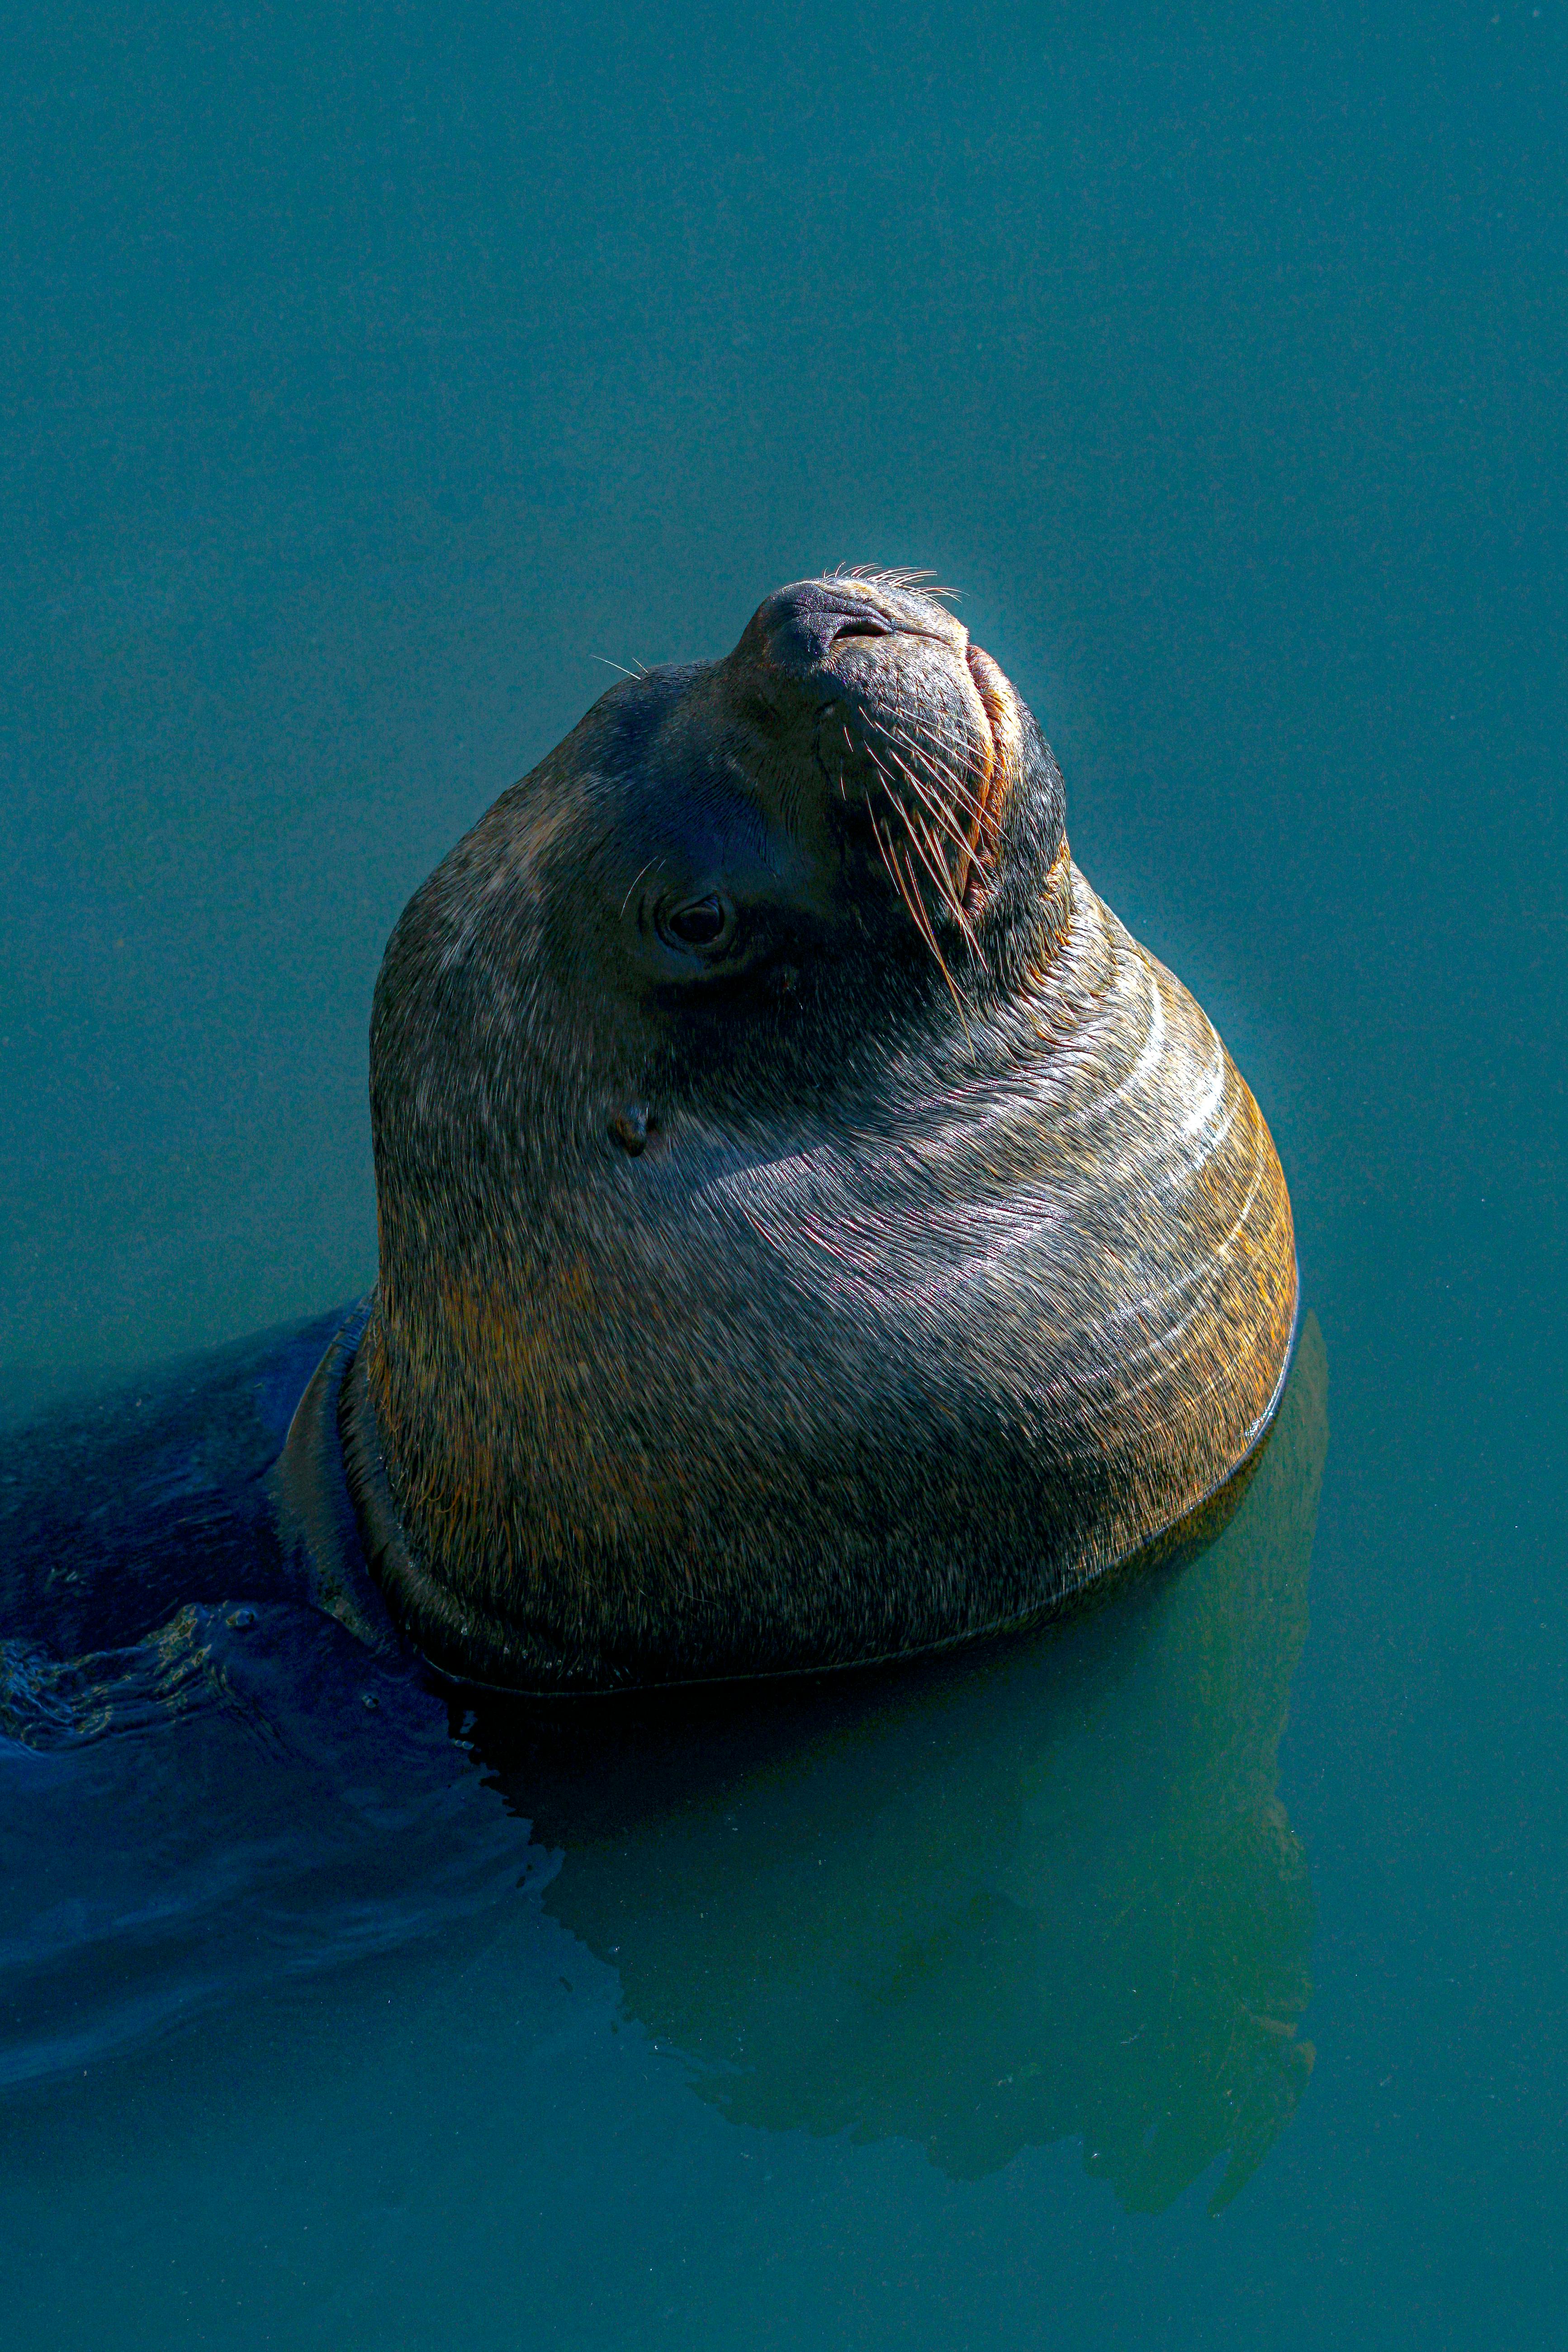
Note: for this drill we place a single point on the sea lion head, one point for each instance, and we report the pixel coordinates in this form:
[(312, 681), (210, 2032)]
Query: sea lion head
[(764, 959), (855, 795), (728, 873)]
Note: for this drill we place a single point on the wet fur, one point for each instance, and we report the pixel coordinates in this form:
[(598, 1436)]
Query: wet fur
[(957, 1268)]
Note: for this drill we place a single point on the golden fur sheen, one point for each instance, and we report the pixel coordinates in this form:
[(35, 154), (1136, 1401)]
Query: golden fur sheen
[(811, 1229)]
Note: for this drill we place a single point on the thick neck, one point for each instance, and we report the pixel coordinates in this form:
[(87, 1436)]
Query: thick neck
[(458, 1636)]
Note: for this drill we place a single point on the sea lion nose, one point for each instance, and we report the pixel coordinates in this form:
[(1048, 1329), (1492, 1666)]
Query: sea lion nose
[(799, 626)]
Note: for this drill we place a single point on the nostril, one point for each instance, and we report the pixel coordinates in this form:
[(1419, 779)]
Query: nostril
[(800, 628), (859, 628)]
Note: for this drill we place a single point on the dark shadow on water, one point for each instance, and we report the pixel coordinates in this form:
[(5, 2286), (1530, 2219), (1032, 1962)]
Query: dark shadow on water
[(989, 1904)]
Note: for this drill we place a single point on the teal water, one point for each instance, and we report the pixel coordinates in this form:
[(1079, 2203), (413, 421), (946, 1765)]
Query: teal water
[(1193, 1974)]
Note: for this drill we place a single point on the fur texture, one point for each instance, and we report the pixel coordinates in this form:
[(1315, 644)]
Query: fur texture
[(811, 1229)]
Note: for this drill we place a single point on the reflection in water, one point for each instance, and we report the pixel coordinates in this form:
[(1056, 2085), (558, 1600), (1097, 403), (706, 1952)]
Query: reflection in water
[(1046, 1892)]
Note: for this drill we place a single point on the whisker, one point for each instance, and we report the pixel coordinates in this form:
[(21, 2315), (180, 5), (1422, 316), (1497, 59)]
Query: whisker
[(911, 890), (952, 895), (884, 852), (961, 750), (965, 845), (626, 902), (951, 883), (914, 579), (897, 797), (925, 794), (937, 725), (925, 789), (982, 829), (963, 797), (887, 785), (962, 783), (928, 850), (953, 891), (929, 843), (908, 892), (917, 905)]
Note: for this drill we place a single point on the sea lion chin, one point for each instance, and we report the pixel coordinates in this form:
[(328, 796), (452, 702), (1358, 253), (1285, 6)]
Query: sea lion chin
[(812, 1229)]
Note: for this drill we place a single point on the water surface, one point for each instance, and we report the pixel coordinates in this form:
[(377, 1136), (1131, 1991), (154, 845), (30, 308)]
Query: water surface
[(369, 380)]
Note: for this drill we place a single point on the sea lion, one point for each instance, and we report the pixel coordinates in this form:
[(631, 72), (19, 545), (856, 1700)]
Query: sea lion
[(812, 1229)]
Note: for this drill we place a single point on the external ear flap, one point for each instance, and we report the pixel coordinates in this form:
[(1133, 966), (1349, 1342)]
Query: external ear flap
[(631, 1130)]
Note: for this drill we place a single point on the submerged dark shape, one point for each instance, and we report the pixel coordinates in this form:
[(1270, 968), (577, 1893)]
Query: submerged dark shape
[(1014, 1895), (812, 1229)]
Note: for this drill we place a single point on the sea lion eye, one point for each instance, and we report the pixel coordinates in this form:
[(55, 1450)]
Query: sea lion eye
[(699, 924)]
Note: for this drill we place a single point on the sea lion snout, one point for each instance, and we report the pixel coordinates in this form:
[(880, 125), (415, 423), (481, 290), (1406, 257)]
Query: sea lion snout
[(872, 687), (796, 630)]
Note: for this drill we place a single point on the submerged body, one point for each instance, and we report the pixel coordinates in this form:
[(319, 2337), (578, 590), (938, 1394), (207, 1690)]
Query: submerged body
[(812, 1229)]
